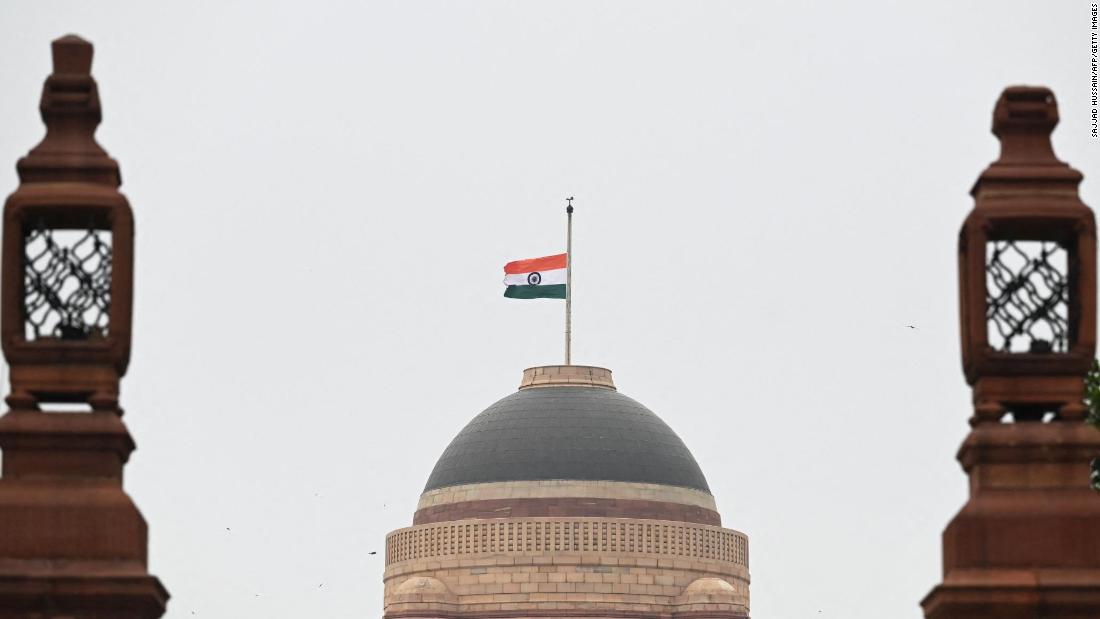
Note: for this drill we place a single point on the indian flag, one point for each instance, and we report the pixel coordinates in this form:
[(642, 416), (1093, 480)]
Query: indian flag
[(536, 278)]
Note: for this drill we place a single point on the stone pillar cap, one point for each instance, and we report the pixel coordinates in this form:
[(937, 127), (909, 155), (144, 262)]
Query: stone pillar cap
[(567, 376)]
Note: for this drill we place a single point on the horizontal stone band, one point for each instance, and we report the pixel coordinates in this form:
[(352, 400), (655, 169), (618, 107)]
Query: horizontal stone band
[(552, 535), (569, 489), (566, 507)]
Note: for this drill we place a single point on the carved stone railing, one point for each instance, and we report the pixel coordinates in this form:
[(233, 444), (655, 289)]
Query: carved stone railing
[(561, 535)]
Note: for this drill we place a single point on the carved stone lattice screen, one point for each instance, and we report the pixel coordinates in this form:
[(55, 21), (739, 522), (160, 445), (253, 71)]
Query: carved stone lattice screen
[(1027, 296), (66, 283)]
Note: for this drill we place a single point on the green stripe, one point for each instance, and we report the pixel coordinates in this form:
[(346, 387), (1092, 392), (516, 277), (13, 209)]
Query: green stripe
[(552, 291)]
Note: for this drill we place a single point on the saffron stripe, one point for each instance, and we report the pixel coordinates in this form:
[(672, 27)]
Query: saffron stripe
[(546, 263)]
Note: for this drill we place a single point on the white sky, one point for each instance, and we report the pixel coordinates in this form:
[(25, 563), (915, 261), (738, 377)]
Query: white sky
[(767, 194)]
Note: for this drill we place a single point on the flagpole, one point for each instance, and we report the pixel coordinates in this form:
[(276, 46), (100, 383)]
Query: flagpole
[(568, 280)]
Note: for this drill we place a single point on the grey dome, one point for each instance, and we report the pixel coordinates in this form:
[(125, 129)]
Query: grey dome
[(576, 433)]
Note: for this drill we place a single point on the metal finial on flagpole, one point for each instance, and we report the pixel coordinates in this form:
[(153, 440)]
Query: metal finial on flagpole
[(568, 279)]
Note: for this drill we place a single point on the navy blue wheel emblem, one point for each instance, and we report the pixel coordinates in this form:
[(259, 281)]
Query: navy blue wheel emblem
[(534, 279)]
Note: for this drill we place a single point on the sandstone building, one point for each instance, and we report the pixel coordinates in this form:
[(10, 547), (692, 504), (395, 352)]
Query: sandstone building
[(567, 498)]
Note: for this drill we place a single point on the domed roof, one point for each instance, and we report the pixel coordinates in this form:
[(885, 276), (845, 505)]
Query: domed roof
[(569, 429)]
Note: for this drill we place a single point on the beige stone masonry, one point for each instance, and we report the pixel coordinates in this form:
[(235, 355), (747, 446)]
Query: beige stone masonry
[(622, 587), (567, 376), (656, 538), (531, 565), (563, 488)]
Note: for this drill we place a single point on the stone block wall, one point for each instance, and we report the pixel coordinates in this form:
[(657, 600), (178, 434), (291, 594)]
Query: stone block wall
[(540, 566)]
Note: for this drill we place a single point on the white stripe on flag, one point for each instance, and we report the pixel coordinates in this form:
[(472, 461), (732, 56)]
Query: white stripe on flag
[(547, 278)]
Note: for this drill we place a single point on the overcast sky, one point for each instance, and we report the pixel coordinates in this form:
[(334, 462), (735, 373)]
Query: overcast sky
[(767, 194)]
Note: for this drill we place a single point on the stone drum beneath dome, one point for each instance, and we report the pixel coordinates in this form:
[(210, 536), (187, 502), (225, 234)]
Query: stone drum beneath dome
[(566, 498)]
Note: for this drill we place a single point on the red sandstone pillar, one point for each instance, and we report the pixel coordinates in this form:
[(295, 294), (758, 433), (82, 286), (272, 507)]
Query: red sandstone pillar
[(1027, 542), (72, 543)]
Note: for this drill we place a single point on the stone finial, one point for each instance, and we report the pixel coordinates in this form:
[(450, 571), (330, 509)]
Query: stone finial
[(72, 55), (70, 109), (1023, 120)]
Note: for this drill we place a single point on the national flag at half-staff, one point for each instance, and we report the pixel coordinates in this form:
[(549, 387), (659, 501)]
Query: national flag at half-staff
[(536, 278)]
